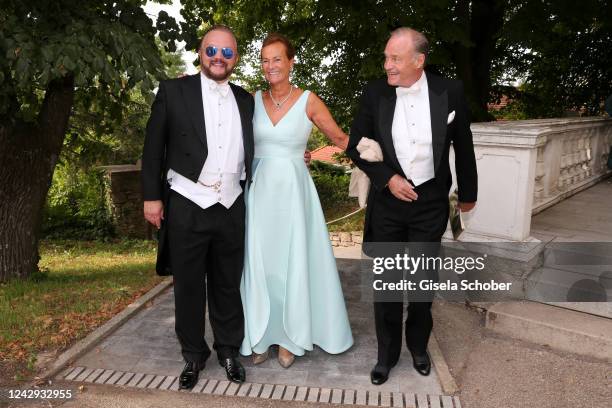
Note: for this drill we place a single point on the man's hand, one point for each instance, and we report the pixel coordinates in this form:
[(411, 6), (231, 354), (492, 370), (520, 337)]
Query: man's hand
[(465, 207), (307, 157), (154, 212), (402, 189)]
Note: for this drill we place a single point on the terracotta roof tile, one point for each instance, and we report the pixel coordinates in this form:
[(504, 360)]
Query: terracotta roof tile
[(325, 154)]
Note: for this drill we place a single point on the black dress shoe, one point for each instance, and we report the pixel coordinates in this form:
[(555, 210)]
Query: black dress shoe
[(379, 374), (421, 363), (189, 377), (233, 369)]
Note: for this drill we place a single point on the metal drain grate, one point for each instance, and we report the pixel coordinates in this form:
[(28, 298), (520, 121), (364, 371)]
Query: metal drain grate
[(266, 391)]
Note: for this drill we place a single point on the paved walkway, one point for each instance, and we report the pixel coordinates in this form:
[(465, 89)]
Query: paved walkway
[(490, 370), (144, 352), (584, 217)]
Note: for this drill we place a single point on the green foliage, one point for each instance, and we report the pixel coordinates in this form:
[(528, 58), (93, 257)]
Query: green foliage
[(77, 205), (98, 136), (57, 57), (515, 110), (561, 49), (527, 103), (316, 139), (108, 47), (562, 53), (174, 66), (332, 184), (321, 167), (339, 44)]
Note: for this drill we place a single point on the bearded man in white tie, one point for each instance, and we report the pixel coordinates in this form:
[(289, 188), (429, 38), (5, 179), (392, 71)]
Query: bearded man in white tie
[(414, 116), (197, 158)]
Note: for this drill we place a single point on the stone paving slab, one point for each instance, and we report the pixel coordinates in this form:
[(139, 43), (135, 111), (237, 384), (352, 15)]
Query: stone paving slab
[(104, 376), (74, 373), (145, 349), (114, 378)]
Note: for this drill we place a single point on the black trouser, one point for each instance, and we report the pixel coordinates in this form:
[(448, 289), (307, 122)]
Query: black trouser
[(207, 254), (394, 221)]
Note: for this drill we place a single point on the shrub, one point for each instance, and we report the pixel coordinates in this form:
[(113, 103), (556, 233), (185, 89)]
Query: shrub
[(77, 205), (332, 184)]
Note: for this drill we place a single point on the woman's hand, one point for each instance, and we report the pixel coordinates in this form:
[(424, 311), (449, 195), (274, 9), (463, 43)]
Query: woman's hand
[(307, 157)]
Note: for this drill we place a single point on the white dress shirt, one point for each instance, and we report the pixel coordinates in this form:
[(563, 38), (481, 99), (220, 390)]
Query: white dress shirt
[(219, 180), (411, 131)]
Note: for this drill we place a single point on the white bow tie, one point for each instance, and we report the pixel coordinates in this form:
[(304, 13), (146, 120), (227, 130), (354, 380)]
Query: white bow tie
[(221, 89), (401, 91)]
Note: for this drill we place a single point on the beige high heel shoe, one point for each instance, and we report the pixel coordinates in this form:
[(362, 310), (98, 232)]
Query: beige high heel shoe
[(260, 358), (285, 357)]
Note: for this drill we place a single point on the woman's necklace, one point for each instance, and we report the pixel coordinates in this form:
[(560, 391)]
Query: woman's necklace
[(277, 104)]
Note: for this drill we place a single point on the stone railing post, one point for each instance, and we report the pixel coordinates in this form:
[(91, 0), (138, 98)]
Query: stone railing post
[(126, 199)]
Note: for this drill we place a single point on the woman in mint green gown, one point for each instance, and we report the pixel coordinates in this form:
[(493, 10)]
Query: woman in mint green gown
[(290, 288)]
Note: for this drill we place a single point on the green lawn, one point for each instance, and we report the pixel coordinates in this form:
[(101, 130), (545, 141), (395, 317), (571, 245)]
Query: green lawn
[(82, 285)]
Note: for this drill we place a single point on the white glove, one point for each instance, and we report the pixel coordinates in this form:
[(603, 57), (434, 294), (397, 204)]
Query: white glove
[(359, 186), (369, 150)]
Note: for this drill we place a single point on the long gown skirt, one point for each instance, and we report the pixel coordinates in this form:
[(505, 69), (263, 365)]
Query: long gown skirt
[(290, 288)]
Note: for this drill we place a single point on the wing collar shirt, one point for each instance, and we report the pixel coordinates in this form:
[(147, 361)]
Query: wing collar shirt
[(219, 180), (411, 131)]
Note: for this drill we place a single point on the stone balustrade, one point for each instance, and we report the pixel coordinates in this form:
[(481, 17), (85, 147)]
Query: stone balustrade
[(527, 166)]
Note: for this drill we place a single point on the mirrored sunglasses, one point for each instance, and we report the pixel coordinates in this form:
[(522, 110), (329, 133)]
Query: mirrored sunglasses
[(211, 51)]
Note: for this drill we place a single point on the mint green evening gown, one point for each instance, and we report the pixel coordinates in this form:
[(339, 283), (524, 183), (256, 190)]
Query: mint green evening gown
[(290, 288)]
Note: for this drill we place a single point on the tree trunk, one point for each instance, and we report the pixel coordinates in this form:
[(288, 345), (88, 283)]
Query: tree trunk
[(483, 20), (28, 155)]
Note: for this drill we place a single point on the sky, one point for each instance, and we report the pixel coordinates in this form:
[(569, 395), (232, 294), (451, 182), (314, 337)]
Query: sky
[(174, 10)]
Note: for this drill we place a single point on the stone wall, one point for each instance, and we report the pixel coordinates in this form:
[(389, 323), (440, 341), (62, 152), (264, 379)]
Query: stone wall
[(345, 239), (126, 201)]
